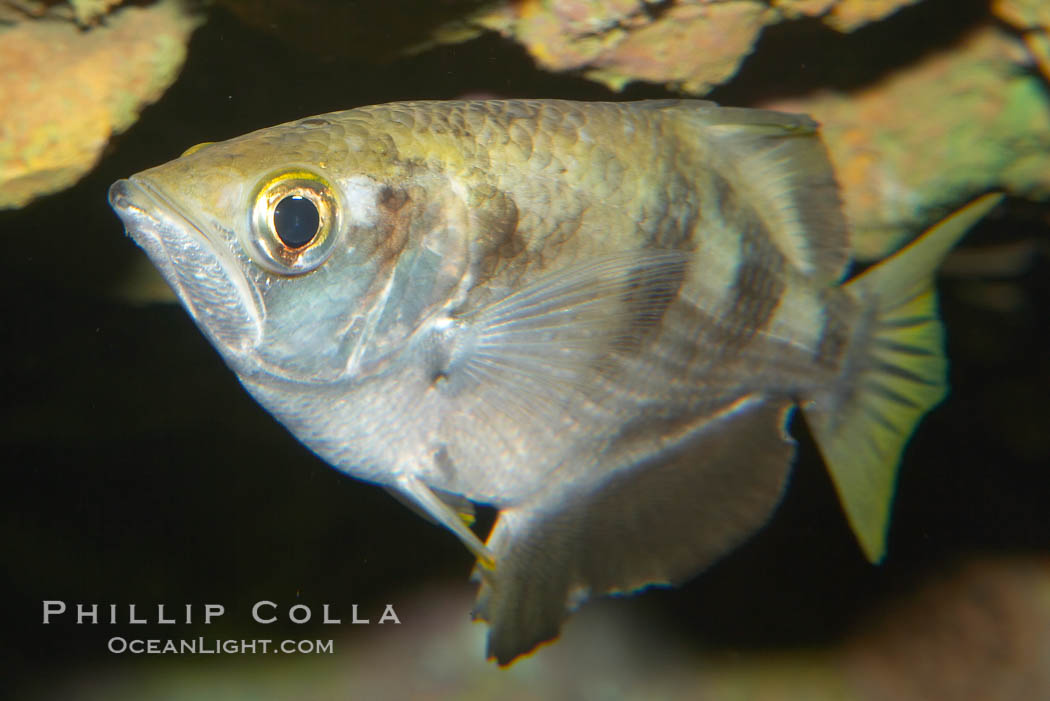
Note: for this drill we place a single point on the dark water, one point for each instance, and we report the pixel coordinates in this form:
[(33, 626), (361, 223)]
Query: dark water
[(137, 470)]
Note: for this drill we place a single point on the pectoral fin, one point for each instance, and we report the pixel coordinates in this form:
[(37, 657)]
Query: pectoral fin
[(535, 350), (656, 523)]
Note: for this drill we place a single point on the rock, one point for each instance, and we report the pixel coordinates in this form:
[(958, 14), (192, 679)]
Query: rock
[(65, 91), (691, 45), (912, 147)]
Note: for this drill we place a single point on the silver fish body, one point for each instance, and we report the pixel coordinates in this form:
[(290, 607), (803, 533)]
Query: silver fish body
[(594, 316)]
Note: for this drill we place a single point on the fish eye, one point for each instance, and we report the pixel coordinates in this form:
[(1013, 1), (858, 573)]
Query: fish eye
[(294, 223)]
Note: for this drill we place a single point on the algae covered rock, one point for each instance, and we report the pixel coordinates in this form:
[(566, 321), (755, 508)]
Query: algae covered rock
[(65, 90), (914, 145), (84, 12), (691, 45), (1032, 17)]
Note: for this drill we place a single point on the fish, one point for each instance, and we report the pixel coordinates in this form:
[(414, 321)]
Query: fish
[(595, 317)]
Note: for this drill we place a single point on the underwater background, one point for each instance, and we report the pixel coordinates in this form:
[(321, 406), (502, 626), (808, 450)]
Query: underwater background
[(137, 470)]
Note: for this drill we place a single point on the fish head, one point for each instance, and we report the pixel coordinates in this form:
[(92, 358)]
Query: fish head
[(305, 252)]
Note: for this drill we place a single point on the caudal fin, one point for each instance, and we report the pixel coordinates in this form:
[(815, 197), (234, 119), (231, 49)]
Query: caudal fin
[(895, 373)]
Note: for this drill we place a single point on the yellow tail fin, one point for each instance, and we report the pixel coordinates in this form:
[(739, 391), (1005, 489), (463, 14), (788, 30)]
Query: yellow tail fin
[(895, 372)]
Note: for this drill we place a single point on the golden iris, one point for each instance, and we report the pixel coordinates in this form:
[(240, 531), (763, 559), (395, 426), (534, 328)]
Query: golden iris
[(294, 222)]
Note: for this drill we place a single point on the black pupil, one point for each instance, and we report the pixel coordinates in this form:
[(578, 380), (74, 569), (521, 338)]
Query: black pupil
[(296, 220)]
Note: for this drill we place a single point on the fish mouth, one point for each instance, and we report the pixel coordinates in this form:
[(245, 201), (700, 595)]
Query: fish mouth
[(201, 270)]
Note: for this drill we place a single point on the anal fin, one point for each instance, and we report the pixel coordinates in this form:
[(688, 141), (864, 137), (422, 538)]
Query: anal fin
[(656, 523)]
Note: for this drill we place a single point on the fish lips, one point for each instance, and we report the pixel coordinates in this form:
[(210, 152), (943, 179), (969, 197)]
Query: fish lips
[(223, 302)]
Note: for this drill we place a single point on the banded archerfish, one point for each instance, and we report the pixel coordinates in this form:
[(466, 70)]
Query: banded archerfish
[(595, 317)]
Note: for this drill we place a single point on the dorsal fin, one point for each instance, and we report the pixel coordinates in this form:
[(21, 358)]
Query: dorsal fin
[(777, 163)]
